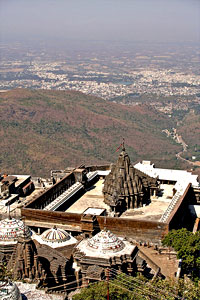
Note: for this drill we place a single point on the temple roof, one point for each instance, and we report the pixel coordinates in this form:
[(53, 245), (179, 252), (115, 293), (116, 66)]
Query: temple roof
[(55, 237), (123, 159), (123, 182), (106, 241), (11, 229), (105, 244)]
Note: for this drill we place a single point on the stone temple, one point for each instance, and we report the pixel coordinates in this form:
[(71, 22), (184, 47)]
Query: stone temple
[(92, 256), (10, 231), (125, 187)]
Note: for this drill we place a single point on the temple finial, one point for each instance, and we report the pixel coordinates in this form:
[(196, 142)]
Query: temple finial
[(123, 147)]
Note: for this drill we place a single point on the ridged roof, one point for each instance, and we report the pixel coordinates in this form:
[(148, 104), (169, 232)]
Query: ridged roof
[(56, 235), (105, 241), (11, 229)]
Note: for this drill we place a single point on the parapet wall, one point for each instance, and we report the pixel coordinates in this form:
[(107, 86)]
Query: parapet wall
[(51, 218), (137, 230), (180, 213), (98, 167)]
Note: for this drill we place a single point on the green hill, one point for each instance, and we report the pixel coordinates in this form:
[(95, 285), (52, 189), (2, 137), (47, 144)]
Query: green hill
[(189, 129), (42, 130)]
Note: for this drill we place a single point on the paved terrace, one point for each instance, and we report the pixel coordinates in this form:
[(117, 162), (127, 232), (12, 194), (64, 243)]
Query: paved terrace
[(92, 198), (155, 210), (167, 261)]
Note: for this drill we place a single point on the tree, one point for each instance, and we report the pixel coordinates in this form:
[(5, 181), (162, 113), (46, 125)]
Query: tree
[(187, 245), (98, 291), (139, 288), (4, 273)]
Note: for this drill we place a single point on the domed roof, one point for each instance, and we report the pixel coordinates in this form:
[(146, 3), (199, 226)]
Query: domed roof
[(9, 291), (105, 241), (56, 235), (11, 229)]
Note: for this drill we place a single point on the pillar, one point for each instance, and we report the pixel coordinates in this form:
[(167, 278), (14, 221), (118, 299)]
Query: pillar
[(84, 282), (77, 278), (132, 202), (130, 269)]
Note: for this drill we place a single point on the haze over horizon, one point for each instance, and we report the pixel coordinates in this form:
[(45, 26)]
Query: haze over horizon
[(107, 20)]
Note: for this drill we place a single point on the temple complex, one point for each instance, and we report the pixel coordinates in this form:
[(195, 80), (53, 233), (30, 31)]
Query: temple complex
[(34, 258), (92, 218)]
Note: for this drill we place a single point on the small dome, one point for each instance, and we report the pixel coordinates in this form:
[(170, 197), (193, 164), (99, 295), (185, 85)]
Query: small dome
[(9, 291), (56, 235), (106, 241), (11, 229)]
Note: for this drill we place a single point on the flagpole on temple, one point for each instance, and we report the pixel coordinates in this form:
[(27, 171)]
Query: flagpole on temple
[(121, 145)]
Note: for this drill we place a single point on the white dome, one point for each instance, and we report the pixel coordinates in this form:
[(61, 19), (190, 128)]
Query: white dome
[(105, 241), (11, 229), (56, 235), (55, 238)]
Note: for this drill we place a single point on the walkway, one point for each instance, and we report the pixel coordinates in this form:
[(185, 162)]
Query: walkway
[(167, 263)]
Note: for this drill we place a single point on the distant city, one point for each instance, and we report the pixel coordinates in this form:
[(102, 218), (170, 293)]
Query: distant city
[(109, 73)]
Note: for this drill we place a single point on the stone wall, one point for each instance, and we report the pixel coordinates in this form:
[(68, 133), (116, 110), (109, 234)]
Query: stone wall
[(98, 167), (47, 219), (181, 215), (137, 230), (52, 193)]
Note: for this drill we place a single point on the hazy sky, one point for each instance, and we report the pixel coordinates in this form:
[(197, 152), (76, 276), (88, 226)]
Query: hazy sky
[(112, 20)]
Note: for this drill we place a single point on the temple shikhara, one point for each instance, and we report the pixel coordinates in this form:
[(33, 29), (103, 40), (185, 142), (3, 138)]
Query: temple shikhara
[(66, 232), (125, 187)]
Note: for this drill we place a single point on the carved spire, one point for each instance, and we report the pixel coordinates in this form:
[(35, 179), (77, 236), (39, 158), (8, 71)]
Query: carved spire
[(122, 186)]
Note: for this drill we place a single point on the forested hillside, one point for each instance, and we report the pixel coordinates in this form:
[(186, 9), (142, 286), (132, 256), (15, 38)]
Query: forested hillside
[(42, 130)]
